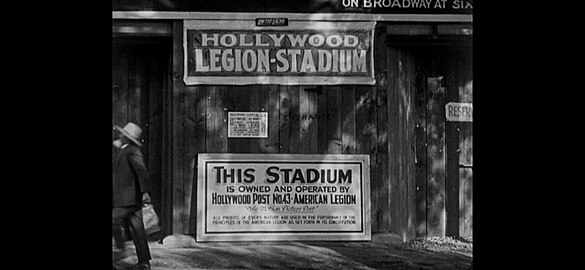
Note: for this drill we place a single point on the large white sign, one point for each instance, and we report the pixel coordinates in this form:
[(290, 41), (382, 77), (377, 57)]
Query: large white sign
[(252, 197)]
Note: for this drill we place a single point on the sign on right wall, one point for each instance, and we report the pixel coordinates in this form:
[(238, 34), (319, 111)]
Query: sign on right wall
[(459, 112)]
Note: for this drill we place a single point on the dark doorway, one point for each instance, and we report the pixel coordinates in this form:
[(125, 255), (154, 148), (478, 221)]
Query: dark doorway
[(140, 79), (427, 71)]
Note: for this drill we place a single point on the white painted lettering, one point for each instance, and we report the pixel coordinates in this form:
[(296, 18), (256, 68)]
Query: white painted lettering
[(214, 59), (277, 40), (259, 41), (297, 41), (293, 57), (199, 61), (307, 64), (238, 60), (344, 61), (227, 60), (359, 61), (243, 41), (280, 57), (263, 61), (249, 60), (324, 60), (333, 41), (350, 41), (224, 40), (316, 40), (205, 39)]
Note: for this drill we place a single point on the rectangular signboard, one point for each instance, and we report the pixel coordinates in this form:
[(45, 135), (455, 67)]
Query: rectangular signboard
[(303, 53), (459, 112), (247, 125), (254, 197)]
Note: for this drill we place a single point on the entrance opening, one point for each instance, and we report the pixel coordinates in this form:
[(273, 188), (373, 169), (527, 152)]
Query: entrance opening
[(140, 81)]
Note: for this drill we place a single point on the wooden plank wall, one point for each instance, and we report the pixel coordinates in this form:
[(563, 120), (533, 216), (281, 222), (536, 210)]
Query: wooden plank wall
[(302, 120), (399, 122), (424, 199), (401, 153), (465, 89), (138, 79)]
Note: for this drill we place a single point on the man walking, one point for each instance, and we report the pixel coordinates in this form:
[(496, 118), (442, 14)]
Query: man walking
[(130, 191)]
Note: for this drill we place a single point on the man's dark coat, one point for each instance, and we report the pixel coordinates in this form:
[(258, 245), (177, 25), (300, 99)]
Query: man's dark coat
[(130, 177)]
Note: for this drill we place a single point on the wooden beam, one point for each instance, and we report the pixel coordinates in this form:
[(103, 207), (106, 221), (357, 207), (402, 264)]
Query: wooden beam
[(435, 147), (179, 15), (148, 28)]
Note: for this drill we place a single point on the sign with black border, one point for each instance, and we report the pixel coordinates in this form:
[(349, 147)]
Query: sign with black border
[(271, 21), (237, 52), (280, 197)]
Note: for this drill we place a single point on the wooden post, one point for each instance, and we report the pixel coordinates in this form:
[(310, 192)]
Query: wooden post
[(410, 151), (194, 134), (393, 163), (452, 146), (381, 208), (420, 152), (177, 118), (166, 213), (158, 74), (435, 148)]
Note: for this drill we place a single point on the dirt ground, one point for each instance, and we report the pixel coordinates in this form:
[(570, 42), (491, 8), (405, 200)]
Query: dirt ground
[(423, 253)]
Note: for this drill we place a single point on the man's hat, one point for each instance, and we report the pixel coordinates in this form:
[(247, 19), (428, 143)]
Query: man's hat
[(131, 131)]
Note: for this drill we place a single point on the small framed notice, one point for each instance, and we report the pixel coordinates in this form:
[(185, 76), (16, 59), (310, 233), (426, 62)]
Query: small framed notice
[(247, 125), (459, 112)]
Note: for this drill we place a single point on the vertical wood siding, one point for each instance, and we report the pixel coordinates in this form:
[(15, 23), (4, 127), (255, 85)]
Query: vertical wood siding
[(302, 120), (399, 123), (139, 75), (426, 183)]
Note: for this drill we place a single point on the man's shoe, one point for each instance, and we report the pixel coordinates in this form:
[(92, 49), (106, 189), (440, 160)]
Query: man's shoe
[(142, 266)]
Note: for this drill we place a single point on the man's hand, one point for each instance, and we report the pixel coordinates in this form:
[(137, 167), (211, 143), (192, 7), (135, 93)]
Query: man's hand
[(145, 198)]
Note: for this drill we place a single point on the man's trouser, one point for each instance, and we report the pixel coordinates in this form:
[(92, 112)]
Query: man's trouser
[(131, 217)]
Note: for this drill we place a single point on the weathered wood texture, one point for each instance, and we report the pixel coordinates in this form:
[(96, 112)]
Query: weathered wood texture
[(399, 122), (401, 156), (466, 202), (139, 75), (435, 148), (465, 87), (452, 156), (459, 145), (425, 193), (302, 120), (178, 137), (379, 160)]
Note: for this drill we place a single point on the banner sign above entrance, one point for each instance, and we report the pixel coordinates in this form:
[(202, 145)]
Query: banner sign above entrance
[(302, 53), (273, 197)]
